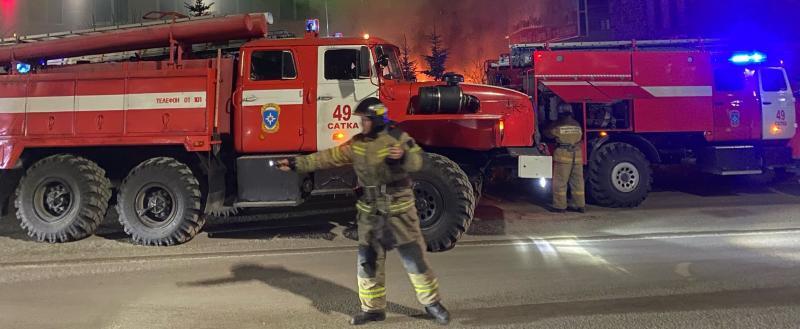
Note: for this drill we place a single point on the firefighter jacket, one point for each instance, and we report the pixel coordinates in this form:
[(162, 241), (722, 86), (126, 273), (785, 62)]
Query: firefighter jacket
[(369, 158), (568, 134)]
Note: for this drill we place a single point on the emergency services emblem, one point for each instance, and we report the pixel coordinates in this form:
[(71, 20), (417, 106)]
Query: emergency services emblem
[(270, 118), (736, 118)]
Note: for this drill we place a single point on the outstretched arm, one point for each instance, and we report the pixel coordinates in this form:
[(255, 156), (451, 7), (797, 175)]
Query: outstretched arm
[(339, 156)]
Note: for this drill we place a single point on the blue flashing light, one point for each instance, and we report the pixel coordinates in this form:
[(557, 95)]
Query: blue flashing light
[(23, 68), (740, 59), (312, 25), (753, 58)]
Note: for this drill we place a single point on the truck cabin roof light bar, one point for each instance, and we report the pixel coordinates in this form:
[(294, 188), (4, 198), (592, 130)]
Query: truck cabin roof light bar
[(751, 58), (312, 25), (312, 28)]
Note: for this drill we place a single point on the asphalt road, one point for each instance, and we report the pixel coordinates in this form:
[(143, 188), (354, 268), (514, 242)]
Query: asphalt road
[(709, 256)]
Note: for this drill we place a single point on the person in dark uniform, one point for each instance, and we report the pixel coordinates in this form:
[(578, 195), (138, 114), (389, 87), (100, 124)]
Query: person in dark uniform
[(382, 157)]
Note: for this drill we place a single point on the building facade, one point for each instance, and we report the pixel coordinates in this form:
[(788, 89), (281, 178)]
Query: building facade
[(25, 17), (554, 20)]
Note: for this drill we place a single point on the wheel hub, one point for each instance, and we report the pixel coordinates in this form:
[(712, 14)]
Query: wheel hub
[(159, 203), (155, 206), (429, 202), (625, 177), (53, 200)]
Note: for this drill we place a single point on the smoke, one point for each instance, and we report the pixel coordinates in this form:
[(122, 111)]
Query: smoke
[(472, 30)]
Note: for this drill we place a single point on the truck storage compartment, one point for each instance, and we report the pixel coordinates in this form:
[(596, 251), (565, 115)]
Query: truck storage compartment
[(263, 185)]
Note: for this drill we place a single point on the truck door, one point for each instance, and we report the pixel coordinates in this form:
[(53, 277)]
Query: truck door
[(777, 104), (344, 80), (272, 101), (737, 110)]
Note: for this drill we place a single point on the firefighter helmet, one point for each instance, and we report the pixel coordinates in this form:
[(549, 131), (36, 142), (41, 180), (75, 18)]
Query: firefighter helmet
[(371, 107)]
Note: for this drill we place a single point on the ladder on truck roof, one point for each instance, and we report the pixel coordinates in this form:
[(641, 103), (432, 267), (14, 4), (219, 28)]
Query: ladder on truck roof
[(97, 30), (589, 45), (143, 53)]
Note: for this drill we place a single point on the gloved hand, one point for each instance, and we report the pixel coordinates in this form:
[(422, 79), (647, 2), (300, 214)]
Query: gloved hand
[(396, 155), (543, 148), (285, 165), (396, 152)]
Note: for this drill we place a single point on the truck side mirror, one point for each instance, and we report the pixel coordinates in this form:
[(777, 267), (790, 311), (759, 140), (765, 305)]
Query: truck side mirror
[(365, 62), (383, 61)]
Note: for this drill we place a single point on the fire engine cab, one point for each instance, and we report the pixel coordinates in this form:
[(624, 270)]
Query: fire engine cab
[(661, 102)]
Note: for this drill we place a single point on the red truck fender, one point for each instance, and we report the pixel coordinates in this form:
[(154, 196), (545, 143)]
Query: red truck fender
[(10, 151)]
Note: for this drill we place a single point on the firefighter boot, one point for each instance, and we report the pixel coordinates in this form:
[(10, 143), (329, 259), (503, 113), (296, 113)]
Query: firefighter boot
[(581, 210), (367, 317), (439, 313)]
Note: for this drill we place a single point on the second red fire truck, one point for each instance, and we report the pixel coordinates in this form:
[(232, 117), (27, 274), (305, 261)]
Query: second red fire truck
[(660, 102)]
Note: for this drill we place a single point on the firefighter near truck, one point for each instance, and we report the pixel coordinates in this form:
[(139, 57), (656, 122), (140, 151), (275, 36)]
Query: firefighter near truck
[(195, 131), (660, 102)]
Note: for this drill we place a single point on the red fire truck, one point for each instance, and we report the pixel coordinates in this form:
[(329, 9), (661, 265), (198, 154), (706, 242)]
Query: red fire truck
[(192, 130), (661, 102)]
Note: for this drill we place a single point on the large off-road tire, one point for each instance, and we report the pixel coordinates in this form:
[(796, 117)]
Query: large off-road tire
[(619, 176), (159, 203), (445, 202), (62, 198)]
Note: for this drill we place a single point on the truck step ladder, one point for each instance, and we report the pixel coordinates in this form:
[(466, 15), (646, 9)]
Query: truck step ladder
[(689, 43)]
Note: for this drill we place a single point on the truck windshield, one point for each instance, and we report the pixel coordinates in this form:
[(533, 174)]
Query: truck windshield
[(392, 70)]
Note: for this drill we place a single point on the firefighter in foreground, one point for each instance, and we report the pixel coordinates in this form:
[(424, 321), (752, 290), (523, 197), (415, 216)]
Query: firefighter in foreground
[(568, 158), (382, 156)]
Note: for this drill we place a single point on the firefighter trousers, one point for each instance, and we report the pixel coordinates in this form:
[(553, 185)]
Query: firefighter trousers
[(372, 259), (568, 176)]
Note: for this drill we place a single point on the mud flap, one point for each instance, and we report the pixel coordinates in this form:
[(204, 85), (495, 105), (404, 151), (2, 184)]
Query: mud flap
[(215, 173), (8, 183)]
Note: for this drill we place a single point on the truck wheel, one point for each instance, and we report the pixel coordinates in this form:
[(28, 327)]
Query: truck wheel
[(445, 202), (159, 203), (62, 198), (619, 176)]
